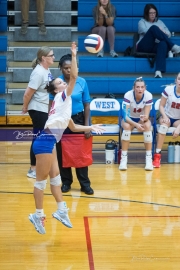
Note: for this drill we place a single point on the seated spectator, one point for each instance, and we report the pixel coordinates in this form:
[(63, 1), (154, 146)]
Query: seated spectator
[(40, 16), (104, 14), (136, 109), (170, 117), (154, 38)]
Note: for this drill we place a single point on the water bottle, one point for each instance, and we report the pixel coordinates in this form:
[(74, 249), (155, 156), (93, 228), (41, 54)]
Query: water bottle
[(171, 152), (110, 151), (176, 152), (173, 34)]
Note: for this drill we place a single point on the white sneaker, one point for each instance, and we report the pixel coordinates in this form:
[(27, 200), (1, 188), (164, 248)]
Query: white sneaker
[(63, 217), (149, 164), (175, 49), (123, 163), (170, 54), (158, 74), (38, 223), (31, 174), (100, 53)]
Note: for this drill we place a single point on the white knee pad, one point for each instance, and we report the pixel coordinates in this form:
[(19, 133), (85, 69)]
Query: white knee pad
[(163, 129), (148, 136), (40, 184), (126, 135), (56, 181)]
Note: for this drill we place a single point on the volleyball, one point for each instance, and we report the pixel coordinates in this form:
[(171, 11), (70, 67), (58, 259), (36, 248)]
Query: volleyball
[(93, 43)]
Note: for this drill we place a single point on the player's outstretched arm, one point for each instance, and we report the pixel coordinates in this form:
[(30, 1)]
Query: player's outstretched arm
[(78, 128), (74, 70)]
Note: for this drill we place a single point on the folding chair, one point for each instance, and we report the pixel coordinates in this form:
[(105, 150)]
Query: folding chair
[(107, 107)]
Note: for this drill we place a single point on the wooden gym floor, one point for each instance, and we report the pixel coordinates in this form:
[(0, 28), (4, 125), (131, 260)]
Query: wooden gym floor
[(131, 222)]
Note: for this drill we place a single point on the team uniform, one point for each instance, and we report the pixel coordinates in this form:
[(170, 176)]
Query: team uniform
[(172, 107), (137, 108), (58, 120), (172, 110), (134, 111)]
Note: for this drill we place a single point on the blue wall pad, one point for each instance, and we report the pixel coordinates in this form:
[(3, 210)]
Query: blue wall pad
[(121, 43), (3, 24), (126, 24), (3, 43), (3, 7), (3, 63), (2, 107), (2, 85), (105, 85), (132, 8), (123, 65)]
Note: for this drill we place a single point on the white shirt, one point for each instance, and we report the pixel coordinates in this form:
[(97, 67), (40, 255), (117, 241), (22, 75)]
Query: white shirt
[(137, 108), (38, 80), (59, 115), (172, 107)]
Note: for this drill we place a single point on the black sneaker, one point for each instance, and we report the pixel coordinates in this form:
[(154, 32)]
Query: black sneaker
[(87, 190), (42, 29), (65, 188), (24, 28)]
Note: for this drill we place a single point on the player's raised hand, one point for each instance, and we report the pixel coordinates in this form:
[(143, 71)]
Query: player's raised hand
[(74, 49)]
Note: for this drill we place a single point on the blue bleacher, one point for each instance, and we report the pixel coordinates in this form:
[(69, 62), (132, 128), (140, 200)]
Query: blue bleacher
[(115, 85), (2, 85), (3, 24), (127, 24), (121, 43), (3, 7), (118, 74), (3, 63), (3, 48), (3, 43), (123, 65), (131, 8), (2, 107)]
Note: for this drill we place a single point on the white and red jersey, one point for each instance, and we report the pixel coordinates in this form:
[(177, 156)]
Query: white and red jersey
[(172, 107), (59, 115), (137, 108)]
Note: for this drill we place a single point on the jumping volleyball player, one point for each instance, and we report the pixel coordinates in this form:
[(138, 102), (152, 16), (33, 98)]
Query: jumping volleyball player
[(170, 117), (136, 109), (45, 151)]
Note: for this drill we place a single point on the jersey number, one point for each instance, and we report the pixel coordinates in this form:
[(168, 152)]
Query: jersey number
[(175, 105), (137, 111)]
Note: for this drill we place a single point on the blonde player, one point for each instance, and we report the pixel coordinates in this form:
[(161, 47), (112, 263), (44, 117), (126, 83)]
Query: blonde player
[(170, 117), (136, 109)]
